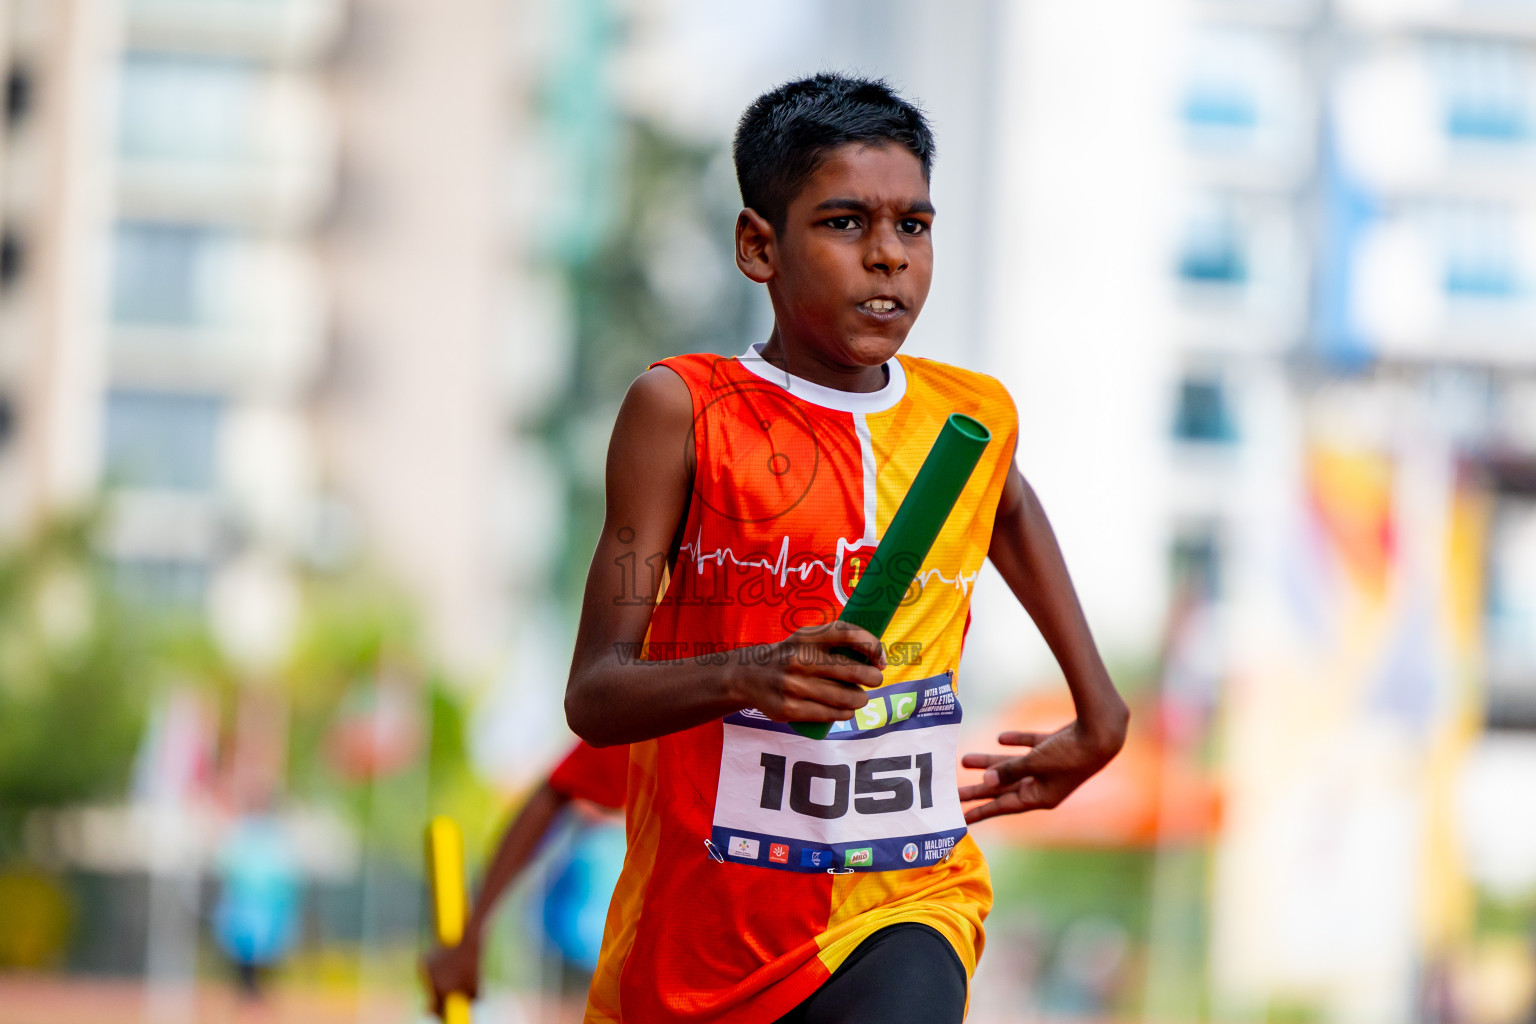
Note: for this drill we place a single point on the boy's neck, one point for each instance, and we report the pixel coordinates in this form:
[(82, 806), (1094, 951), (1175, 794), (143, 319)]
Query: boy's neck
[(806, 366)]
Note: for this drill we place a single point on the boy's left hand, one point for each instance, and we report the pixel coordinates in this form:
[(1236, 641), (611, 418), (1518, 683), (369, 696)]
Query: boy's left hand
[(1058, 763)]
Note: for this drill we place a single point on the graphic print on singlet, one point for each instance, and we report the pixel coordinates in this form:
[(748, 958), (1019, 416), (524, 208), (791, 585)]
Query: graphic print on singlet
[(878, 794)]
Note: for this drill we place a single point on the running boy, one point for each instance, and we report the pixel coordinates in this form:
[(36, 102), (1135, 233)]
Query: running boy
[(769, 876)]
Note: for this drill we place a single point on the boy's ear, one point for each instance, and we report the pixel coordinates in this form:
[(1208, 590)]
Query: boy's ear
[(755, 244)]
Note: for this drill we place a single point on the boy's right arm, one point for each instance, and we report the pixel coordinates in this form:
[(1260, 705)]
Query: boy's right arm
[(613, 699)]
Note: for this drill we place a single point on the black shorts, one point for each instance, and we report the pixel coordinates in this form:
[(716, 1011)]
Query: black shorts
[(905, 973)]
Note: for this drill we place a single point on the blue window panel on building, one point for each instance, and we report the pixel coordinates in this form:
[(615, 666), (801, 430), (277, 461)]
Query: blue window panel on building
[(1212, 250), (1204, 413), (1488, 281), (169, 274), (1211, 108), (1238, 90), (186, 106), (1486, 90), (1197, 561), (154, 273), (1511, 591), (161, 440), (1492, 123), (1214, 264), (179, 275), (1479, 248)]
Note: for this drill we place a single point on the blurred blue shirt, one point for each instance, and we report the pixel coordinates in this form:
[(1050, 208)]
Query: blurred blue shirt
[(257, 915)]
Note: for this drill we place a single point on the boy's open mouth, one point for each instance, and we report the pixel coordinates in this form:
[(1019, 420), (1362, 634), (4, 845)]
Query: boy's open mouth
[(882, 306)]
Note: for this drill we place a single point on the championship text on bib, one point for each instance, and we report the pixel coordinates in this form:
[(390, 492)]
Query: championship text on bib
[(878, 794)]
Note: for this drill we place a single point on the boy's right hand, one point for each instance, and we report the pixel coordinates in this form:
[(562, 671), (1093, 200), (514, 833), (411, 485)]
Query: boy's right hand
[(453, 969), (803, 679)]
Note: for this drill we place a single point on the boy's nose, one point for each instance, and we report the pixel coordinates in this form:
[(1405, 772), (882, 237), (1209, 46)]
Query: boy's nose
[(886, 253)]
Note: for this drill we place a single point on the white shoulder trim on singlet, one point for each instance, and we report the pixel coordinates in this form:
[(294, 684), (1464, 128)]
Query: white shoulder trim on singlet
[(865, 402)]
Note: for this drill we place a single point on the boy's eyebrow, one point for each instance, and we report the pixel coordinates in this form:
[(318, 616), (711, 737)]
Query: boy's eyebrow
[(862, 206)]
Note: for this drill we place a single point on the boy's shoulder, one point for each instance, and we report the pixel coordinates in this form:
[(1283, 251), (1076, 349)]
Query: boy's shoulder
[(958, 385), (939, 370), (705, 369)]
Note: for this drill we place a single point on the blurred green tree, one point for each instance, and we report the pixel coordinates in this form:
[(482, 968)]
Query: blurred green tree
[(376, 729), (661, 280), (75, 676)]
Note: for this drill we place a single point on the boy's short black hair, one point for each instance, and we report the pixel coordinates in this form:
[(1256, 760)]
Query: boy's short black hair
[(786, 132)]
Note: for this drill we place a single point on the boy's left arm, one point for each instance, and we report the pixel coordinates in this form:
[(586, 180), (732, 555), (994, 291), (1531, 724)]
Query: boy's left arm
[(1025, 551)]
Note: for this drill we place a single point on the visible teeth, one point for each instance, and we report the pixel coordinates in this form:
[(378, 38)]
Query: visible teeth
[(880, 305)]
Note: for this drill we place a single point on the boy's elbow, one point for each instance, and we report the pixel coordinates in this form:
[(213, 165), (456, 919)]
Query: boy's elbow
[(1114, 725), (582, 715)]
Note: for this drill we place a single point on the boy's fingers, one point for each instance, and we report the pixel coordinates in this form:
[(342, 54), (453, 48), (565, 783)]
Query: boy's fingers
[(819, 658), (812, 699), (811, 711), (862, 640), (1008, 771), (844, 670), (984, 760), (825, 690), (986, 789), (1030, 795), (866, 677), (1009, 803), (433, 998), (1003, 769), (980, 791)]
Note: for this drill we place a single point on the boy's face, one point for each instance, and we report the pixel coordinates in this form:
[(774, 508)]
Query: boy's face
[(851, 267)]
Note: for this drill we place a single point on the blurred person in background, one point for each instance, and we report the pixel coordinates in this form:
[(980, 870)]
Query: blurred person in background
[(256, 919), (588, 774)]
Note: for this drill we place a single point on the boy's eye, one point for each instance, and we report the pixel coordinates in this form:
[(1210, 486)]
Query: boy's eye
[(912, 226), (841, 223)]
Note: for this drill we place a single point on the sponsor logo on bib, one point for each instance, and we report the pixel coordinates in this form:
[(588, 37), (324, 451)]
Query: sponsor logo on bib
[(741, 847), (778, 853), (909, 852), (815, 858), (872, 715), (862, 857)]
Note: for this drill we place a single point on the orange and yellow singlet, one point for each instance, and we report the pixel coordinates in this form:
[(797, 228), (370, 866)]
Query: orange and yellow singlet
[(758, 859)]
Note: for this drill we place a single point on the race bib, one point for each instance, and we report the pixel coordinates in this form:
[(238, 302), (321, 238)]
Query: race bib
[(878, 794)]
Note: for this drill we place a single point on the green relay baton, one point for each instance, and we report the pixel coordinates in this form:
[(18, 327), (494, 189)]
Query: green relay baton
[(899, 557)]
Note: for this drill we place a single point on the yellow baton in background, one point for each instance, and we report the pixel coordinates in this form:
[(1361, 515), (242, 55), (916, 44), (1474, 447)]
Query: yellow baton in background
[(445, 874)]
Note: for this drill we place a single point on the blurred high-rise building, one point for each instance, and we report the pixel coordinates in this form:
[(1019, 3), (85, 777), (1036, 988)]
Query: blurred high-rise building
[(1353, 341), (165, 165), (1259, 276), (262, 281)]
